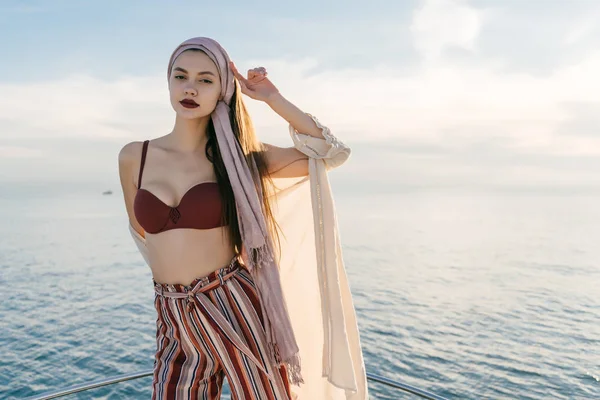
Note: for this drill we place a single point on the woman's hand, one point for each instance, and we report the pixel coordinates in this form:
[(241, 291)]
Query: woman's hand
[(257, 86)]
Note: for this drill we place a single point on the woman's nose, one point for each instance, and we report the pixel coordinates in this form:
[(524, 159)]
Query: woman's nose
[(190, 91)]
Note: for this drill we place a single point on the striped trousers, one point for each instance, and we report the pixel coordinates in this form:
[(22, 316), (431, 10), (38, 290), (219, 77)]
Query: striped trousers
[(210, 329)]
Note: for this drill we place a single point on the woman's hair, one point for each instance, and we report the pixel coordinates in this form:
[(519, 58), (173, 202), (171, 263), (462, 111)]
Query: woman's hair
[(243, 129)]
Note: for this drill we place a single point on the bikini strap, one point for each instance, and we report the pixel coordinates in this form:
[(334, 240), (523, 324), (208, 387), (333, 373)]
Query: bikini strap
[(144, 150)]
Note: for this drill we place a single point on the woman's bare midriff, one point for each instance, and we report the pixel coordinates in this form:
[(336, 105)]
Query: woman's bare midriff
[(182, 255)]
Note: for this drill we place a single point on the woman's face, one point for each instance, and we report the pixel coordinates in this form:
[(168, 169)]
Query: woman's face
[(195, 77)]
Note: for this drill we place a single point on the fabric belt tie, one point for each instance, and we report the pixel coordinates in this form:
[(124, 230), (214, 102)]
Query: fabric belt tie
[(196, 296)]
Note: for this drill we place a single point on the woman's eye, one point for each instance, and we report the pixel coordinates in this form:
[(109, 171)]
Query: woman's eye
[(183, 77)]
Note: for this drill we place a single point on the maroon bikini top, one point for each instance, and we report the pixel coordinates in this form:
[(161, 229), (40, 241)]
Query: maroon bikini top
[(199, 208)]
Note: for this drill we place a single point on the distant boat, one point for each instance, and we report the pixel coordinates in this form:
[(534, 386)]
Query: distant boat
[(107, 192)]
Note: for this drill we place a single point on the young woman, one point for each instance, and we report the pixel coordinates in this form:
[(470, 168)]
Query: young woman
[(200, 202)]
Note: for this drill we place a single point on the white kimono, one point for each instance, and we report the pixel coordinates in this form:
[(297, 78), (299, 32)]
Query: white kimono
[(313, 276)]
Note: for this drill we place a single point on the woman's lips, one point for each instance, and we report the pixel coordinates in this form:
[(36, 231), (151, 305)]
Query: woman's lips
[(188, 103)]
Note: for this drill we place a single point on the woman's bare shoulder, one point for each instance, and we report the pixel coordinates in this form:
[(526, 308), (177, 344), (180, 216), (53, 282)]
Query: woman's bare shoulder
[(128, 166), (130, 151), (129, 162)]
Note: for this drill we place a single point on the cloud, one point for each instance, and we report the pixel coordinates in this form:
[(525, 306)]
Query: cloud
[(459, 111), (462, 112), (583, 122), (441, 23), (584, 28), (373, 105), (19, 152), (82, 106)]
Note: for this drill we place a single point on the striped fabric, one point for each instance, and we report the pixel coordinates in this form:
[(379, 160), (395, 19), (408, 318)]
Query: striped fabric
[(210, 329)]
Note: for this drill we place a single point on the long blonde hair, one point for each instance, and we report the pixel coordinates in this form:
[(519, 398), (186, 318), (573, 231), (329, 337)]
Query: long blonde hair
[(243, 129)]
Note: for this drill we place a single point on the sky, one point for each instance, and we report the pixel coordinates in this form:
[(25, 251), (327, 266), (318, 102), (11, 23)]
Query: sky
[(431, 94)]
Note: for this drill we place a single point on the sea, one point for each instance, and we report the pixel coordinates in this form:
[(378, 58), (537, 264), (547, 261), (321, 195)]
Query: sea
[(466, 294)]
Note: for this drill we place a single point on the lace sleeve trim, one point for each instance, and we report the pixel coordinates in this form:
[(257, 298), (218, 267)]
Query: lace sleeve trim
[(329, 137), (329, 148)]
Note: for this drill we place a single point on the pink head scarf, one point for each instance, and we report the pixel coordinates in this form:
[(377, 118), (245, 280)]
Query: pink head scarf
[(253, 228)]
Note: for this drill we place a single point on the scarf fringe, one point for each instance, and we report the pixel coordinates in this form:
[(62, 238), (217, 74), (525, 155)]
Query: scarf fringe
[(292, 364), (293, 370), (260, 256)]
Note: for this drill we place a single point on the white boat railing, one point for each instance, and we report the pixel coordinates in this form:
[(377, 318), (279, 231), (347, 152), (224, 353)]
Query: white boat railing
[(142, 374)]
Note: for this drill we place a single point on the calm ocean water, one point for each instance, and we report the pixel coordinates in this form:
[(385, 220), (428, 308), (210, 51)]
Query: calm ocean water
[(471, 296)]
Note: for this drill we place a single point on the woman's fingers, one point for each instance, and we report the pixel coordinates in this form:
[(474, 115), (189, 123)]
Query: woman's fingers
[(243, 85), (259, 72), (236, 72), (255, 76)]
